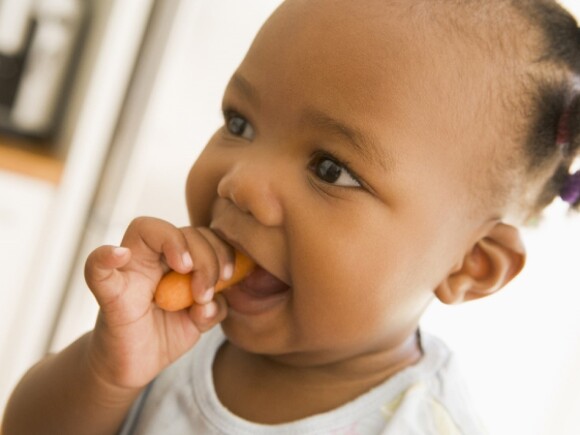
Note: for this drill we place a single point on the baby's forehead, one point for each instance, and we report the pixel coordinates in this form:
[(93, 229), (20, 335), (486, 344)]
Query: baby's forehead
[(495, 30), (461, 53)]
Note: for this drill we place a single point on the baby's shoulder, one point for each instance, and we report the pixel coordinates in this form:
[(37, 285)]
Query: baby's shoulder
[(433, 392)]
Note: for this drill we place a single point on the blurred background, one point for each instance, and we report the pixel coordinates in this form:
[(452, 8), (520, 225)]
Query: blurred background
[(105, 104)]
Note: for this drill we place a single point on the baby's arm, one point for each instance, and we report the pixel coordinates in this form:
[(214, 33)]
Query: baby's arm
[(90, 386), (63, 394)]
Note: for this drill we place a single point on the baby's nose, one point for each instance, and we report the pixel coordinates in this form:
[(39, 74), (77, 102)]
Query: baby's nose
[(253, 186)]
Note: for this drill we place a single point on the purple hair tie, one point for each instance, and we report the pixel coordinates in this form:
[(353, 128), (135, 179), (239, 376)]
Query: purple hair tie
[(563, 135), (571, 190)]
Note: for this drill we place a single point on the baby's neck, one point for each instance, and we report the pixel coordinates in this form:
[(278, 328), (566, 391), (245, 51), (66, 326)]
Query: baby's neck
[(263, 390)]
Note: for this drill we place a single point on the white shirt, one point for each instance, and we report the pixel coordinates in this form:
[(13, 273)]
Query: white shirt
[(427, 398)]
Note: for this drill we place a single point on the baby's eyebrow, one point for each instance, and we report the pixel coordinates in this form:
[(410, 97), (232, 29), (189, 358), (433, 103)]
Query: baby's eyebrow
[(363, 143), (246, 88)]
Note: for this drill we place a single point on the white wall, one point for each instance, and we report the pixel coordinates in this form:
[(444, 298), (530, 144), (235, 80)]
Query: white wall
[(59, 220), (572, 5)]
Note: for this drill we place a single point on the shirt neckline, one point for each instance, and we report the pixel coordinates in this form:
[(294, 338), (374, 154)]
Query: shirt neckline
[(434, 356)]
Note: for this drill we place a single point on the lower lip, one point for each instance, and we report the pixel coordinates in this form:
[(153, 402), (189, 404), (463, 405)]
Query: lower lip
[(244, 302)]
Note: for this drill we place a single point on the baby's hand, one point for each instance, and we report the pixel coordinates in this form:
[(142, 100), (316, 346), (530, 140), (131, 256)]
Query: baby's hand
[(133, 339)]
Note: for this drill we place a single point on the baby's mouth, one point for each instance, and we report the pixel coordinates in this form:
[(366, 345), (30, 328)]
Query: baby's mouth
[(256, 294), (261, 284)]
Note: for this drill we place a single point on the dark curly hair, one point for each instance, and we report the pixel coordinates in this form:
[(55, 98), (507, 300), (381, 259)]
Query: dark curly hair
[(556, 104)]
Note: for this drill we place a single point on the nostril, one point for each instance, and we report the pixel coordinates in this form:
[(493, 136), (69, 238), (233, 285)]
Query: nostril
[(239, 204), (224, 189), (227, 190), (221, 189)]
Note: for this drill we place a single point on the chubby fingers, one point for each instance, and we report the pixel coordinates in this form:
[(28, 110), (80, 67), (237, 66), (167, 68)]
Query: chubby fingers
[(156, 245), (129, 273), (212, 258), (208, 315)]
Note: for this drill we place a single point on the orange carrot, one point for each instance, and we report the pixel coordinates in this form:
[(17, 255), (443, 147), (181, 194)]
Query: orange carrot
[(173, 292)]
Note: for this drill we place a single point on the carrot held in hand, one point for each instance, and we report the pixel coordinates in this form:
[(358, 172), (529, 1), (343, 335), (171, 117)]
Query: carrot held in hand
[(173, 292)]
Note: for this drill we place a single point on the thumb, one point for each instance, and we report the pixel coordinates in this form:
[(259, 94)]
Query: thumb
[(101, 274)]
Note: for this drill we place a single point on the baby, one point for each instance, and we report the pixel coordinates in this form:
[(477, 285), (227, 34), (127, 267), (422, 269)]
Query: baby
[(375, 155)]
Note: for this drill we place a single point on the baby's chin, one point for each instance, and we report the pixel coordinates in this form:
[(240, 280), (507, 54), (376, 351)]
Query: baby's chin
[(259, 314), (255, 338)]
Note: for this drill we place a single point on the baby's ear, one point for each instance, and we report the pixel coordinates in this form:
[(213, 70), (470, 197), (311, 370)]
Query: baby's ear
[(490, 264)]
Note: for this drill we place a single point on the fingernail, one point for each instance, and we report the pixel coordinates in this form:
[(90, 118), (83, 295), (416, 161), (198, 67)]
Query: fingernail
[(210, 310), (228, 272), (186, 260), (120, 251), (207, 296)]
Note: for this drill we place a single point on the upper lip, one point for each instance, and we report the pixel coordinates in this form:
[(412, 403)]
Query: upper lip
[(230, 241)]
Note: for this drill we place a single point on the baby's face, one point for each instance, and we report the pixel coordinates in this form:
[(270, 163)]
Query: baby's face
[(337, 171)]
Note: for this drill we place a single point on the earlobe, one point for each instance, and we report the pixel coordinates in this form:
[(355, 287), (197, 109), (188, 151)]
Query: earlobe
[(490, 264)]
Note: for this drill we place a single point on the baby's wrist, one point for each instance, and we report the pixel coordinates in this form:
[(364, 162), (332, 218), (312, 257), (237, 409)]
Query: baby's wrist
[(118, 381)]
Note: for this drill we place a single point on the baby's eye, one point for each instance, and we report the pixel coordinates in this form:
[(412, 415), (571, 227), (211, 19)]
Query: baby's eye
[(331, 171), (238, 125)]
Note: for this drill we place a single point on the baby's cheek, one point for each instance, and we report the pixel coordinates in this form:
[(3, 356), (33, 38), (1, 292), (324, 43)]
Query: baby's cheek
[(370, 294), (337, 299), (201, 192)]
